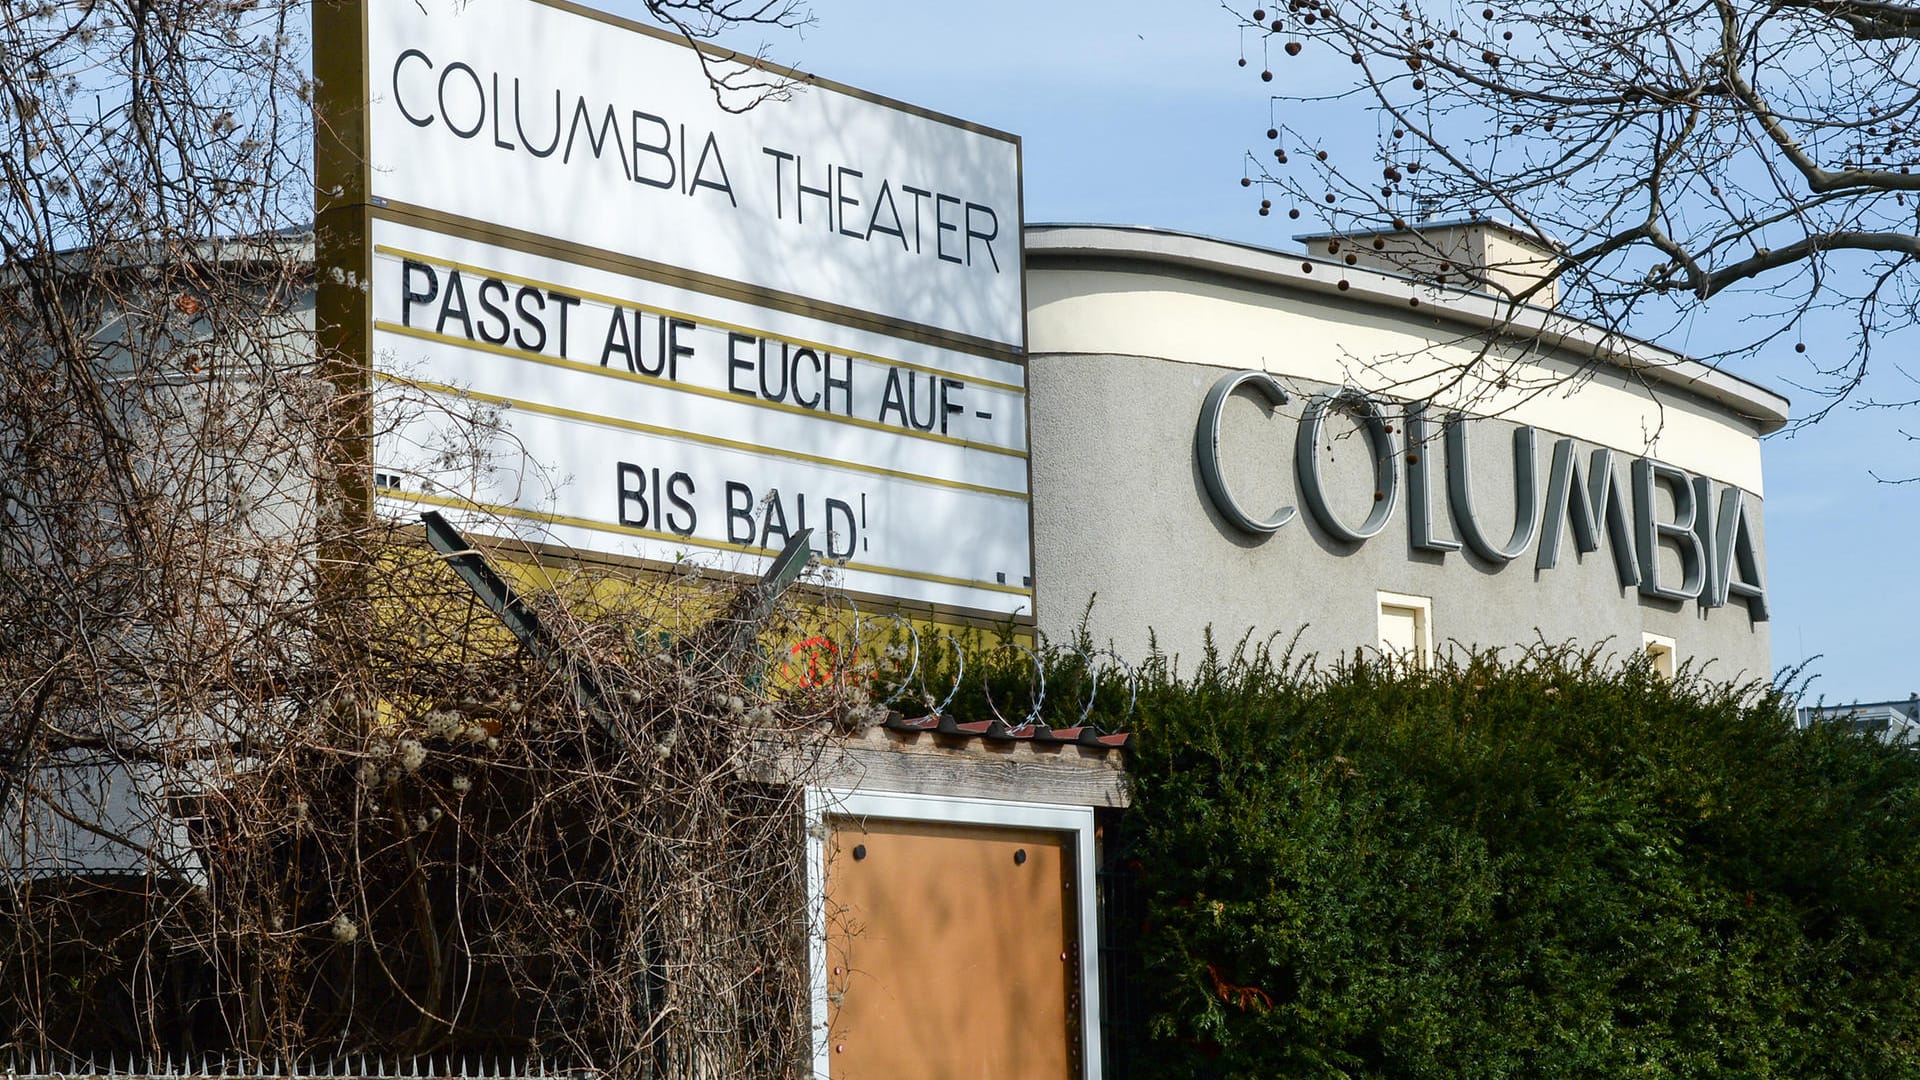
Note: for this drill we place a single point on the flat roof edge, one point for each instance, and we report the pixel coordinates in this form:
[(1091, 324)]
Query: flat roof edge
[(1764, 409)]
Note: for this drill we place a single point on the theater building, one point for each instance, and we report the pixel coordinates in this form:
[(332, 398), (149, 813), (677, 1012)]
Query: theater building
[(1271, 446), (825, 313), (1260, 442)]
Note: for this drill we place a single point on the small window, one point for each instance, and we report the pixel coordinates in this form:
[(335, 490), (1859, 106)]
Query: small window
[(1660, 653), (1406, 627)]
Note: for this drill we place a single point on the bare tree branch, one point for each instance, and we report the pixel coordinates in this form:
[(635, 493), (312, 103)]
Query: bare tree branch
[(1666, 154)]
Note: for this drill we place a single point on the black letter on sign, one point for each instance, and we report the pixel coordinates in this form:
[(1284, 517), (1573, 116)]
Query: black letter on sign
[(416, 121), (739, 513), (454, 305), (633, 490), (490, 308), (735, 365), (617, 339), (679, 486), (942, 225), (479, 93), (662, 150), (948, 406), (775, 523), (711, 152), (838, 534), (408, 297), (531, 318), (565, 302), (986, 238)]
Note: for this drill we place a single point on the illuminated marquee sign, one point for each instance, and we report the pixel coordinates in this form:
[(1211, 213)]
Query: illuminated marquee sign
[(606, 313)]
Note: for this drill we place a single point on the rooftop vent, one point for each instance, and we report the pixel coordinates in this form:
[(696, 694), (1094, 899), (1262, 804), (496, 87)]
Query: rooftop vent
[(1474, 253)]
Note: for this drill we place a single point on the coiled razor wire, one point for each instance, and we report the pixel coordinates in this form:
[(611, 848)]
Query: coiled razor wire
[(862, 623), (1037, 691), (1090, 662), (890, 652)]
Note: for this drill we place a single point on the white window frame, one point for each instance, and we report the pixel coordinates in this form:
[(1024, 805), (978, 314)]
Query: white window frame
[(824, 803), (1422, 606), (1666, 647)]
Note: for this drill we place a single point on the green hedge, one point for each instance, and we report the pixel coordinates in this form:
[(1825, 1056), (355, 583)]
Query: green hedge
[(1551, 867)]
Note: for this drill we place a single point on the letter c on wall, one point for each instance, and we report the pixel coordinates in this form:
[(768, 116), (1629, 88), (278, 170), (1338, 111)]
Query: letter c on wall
[(1306, 463), (1206, 449)]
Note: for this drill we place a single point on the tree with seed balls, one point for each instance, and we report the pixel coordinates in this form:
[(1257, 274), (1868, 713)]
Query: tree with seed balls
[(1673, 156)]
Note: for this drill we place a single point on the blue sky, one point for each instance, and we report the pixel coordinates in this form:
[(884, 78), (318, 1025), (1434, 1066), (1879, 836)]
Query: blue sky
[(1135, 112)]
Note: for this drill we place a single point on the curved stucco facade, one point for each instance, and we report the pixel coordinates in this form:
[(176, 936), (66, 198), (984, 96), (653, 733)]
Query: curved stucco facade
[(1130, 329)]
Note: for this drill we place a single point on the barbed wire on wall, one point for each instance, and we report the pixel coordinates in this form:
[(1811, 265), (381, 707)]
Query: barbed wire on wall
[(933, 680)]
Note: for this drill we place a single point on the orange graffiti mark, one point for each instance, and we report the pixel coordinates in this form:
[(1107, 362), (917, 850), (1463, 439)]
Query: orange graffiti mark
[(1244, 997)]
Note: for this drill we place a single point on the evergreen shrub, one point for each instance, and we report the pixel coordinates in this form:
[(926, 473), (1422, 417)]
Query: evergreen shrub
[(1553, 866)]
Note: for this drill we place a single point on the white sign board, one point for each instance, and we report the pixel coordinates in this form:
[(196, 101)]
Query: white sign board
[(582, 406), (608, 314), (556, 123)]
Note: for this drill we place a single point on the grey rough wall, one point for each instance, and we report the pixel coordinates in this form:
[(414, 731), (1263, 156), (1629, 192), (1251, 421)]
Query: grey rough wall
[(1119, 511)]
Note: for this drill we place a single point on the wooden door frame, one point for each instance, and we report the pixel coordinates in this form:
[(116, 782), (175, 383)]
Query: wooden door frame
[(825, 803)]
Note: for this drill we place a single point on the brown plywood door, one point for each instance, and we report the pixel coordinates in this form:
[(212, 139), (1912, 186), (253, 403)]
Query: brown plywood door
[(951, 952)]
